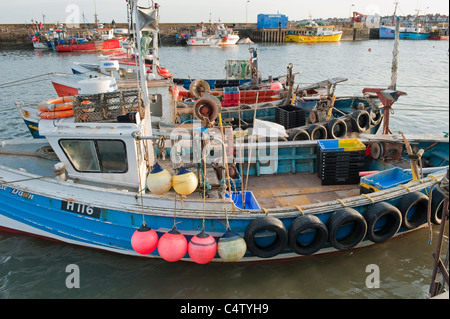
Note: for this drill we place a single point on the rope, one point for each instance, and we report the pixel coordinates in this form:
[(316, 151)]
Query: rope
[(3, 85), (342, 202), (368, 197), (250, 154), (300, 210), (25, 180)]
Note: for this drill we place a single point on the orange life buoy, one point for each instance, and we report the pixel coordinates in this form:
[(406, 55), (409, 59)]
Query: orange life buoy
[(59, 104), (56, 115), (57, 107)]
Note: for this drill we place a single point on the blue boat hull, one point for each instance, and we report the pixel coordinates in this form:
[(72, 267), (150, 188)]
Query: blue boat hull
[(389, 33), (71, 215)]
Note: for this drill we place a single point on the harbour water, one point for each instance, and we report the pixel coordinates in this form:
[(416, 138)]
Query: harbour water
[(35, 268)]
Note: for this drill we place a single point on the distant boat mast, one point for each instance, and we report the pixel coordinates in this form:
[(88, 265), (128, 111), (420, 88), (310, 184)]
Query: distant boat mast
[(95, 14)]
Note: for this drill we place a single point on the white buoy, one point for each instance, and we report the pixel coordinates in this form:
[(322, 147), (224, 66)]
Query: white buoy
[(159, 181), (231, 247)]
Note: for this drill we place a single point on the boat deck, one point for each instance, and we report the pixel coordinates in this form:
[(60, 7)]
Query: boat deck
[(276, 191)]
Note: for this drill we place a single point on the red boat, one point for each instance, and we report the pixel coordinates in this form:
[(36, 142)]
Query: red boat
[(102, 45), (439, 34)]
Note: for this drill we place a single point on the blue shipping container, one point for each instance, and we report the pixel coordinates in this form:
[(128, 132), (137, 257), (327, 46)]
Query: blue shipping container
[(272, 21)]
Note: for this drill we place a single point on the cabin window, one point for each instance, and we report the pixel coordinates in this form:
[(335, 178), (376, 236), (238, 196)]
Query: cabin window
[(96, 156)]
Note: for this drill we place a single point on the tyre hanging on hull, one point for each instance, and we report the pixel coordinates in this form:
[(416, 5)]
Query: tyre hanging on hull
[(255, 230), (383, 222), (361, 121), (337, 128), (307, 235), (317, 132), (437, 204), (346, 228), (414, 209)]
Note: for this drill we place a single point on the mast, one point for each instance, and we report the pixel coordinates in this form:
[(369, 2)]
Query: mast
[(142, 85), (95, 14)]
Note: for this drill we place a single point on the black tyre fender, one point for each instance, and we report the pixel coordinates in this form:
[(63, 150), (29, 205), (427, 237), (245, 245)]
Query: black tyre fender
[(392, 224), (437, 204), (343, 218), (271, 224), (299, 135), (337, 128), (413, 203), (317, 132), (361, 121), (305, 224)]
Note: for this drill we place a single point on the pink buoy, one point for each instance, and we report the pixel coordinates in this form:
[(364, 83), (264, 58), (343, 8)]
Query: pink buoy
[(144, 240), (202, 248), (276, 86), (172, 246)]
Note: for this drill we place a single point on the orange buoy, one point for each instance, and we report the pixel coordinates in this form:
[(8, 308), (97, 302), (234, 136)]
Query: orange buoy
[(144, 240), (173, 246), (202, 248)]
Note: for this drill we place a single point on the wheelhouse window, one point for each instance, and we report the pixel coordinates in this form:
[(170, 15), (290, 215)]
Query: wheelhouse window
[(96, 156)]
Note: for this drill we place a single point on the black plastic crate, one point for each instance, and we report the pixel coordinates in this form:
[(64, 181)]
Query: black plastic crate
[(340, 168), (290, 116)]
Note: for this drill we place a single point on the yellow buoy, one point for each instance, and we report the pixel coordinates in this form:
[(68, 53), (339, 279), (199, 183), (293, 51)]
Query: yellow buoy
[(159, 181), (185, 182)]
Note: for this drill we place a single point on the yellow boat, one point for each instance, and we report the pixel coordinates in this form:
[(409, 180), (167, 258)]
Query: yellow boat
[(315, 34)]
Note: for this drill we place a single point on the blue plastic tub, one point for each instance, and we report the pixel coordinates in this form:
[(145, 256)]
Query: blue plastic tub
[(250, 200), (386, 179)]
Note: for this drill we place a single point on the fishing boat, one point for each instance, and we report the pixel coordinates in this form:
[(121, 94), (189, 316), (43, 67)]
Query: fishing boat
[(315, 33), (109, 178), (223, 36), (406, 33), (104, 40), (439, 33)]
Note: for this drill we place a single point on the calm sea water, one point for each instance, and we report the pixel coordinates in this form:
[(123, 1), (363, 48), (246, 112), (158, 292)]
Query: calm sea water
[(36, 268)]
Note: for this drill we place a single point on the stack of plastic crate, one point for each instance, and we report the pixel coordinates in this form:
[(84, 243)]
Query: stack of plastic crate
[(290, 116), (231, 96), (341, 161)]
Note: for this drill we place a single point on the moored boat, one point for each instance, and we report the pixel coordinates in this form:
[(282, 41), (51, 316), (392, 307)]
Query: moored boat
[(315, 33), (229, 199), (222, 36), (439, 34)]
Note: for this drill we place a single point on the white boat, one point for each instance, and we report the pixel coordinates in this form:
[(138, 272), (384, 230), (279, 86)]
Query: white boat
[(223, 37)]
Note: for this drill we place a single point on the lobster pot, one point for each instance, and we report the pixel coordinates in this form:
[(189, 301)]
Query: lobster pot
[(341, 161), (105, 107)]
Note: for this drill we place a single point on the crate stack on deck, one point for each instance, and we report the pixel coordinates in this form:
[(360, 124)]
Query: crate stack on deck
[(341, 161), (290, 116), (231, 96)]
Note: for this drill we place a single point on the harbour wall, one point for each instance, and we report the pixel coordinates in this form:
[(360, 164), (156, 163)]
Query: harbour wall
[(15, 36)]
